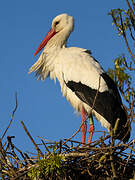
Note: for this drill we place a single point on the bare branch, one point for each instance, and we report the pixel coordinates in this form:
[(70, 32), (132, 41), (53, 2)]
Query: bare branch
[(11, 116), (32, 140), (125, 38), (131, 10)]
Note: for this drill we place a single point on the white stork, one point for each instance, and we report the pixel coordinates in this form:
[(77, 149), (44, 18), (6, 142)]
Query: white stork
[(83, 81)]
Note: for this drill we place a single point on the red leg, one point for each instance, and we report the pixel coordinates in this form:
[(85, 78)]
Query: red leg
[(91, 129), (84, 126)]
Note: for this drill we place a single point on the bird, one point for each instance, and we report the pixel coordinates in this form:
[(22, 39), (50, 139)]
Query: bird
[(83, 81)]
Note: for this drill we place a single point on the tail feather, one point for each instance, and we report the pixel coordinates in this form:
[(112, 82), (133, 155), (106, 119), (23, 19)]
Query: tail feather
[(124, 127)]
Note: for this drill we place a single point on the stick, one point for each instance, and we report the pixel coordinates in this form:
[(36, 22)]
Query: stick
[(37, 148), (11, 116), (73, 135)]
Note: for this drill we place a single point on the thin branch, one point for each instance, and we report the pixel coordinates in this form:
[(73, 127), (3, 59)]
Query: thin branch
[(73, 135), (133, 4), (125, 38), (32, 140), (126, 65), (112, 166), (131, 10), (76, 154), (131, 34), (11, 116), (45, 146), (2, 152)]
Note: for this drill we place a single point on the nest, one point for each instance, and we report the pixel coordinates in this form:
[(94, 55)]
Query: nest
[(104, 158), (68, 159)]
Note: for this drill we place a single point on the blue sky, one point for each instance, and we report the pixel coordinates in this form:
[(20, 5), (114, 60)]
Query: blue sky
[(40, 104)]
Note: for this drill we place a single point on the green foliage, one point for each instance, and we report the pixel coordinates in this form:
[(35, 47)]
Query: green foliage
[(124, 68), (51, 166), (123, 20), (119, 73), (123, 78)]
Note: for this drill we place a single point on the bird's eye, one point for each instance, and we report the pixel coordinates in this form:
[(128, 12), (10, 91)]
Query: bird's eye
[(56, 23)]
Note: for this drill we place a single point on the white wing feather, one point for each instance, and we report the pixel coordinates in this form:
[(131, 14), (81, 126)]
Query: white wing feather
[(77, 65)]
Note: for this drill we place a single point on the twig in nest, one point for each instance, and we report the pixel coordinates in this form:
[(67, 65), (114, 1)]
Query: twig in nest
[(73, 135), (111, 151), (45, 146), (37, 148), (11, 116)]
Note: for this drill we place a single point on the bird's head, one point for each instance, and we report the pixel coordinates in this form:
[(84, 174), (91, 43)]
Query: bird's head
[(61, 23)]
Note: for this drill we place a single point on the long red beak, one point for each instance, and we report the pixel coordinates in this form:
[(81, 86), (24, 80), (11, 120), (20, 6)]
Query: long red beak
[(50, 34)]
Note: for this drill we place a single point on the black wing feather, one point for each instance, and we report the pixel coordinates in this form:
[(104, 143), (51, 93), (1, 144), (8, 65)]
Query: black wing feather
[(104, 104), (108, 104)]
